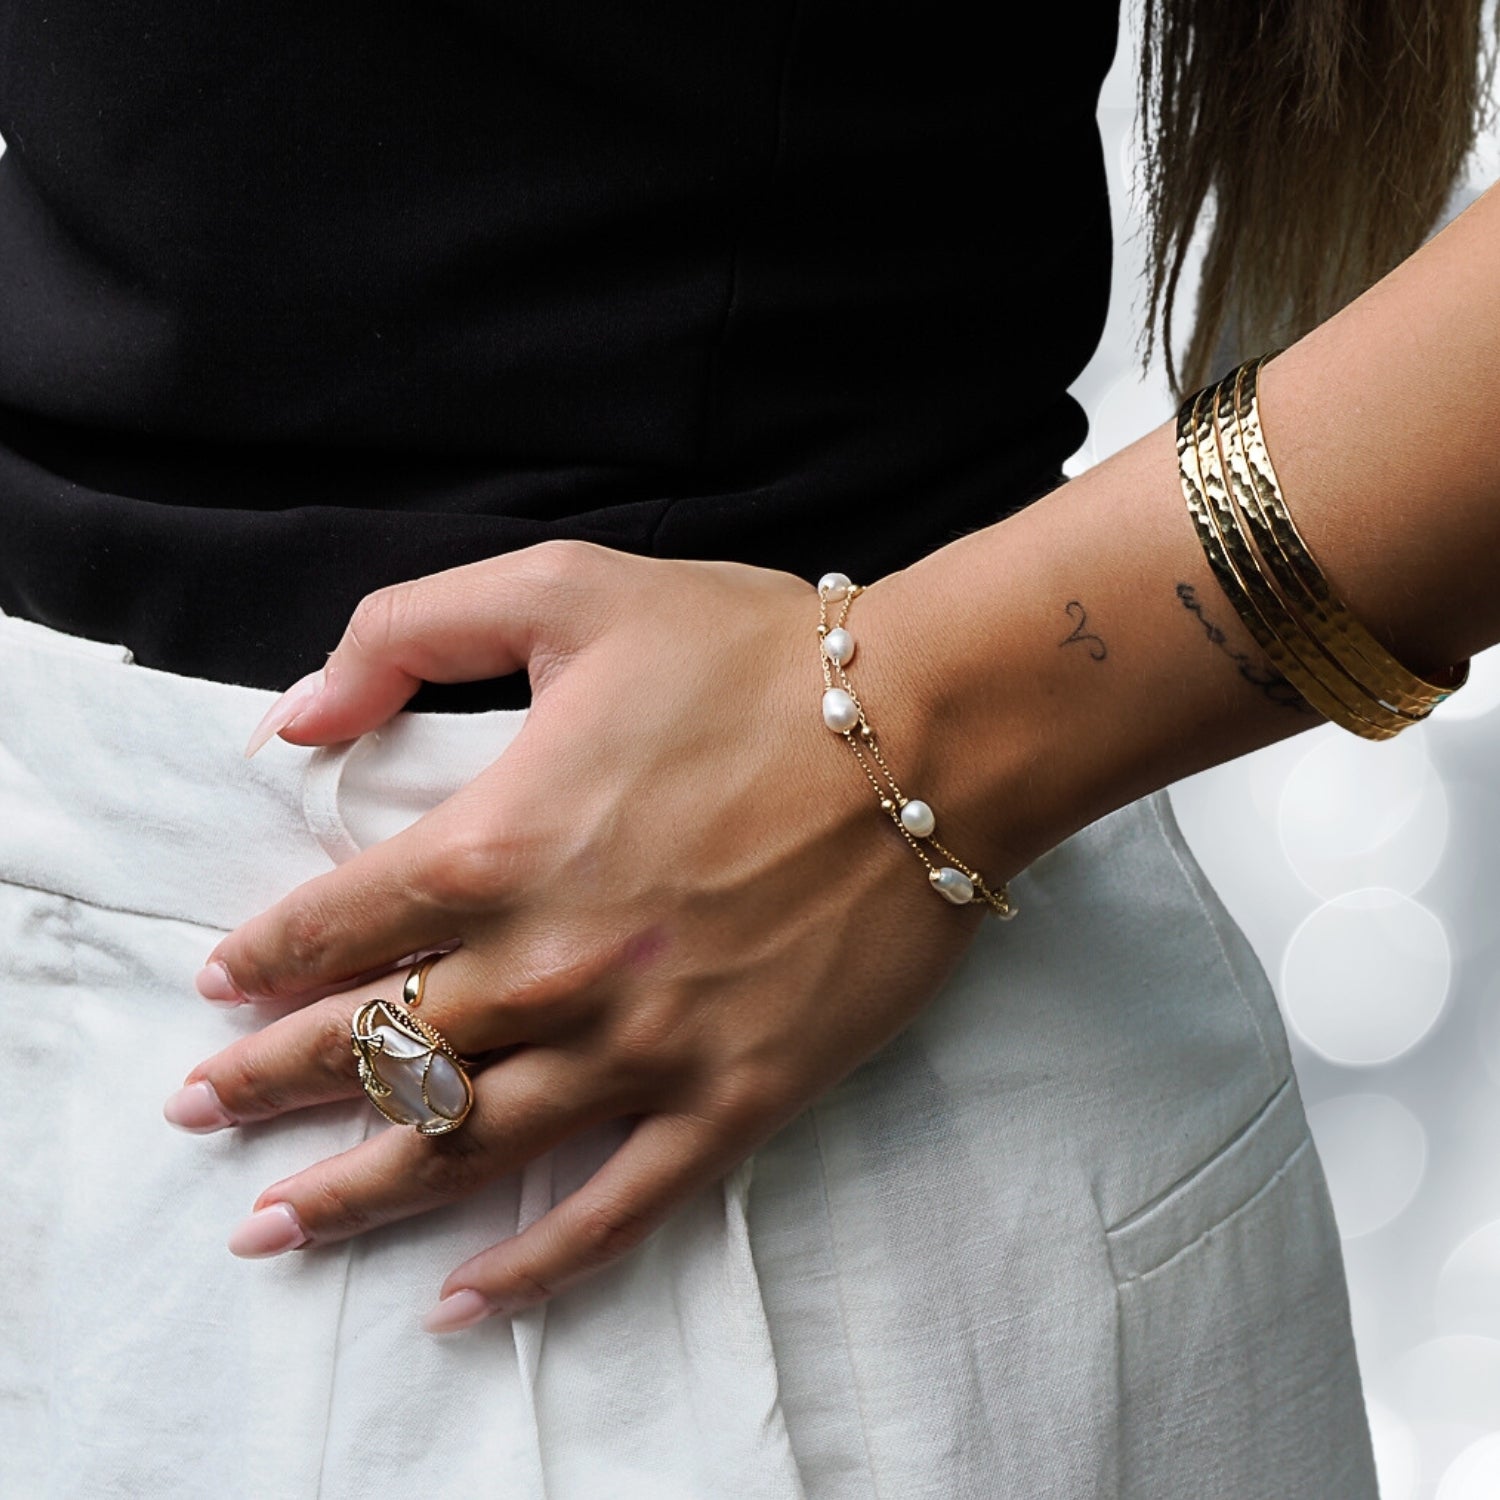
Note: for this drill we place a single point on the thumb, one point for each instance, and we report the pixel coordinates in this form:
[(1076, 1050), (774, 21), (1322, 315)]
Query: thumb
[(485, 619)]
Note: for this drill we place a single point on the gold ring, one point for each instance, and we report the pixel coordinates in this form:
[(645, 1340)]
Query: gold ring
[(416, 981), (406, 1066)]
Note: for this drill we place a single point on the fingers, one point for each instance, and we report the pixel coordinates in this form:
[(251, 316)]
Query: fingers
[(664, 1162), (530, 607), (523, 1106), (410, 892), (400, 895), (306, 1057)]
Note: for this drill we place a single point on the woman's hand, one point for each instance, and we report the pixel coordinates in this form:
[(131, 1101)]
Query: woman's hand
[(675, 896)]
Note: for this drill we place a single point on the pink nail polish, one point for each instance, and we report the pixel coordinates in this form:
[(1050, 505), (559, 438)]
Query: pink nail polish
[(196, 1107), (213, 983), (268, 1231), (285, 709), (457, 1310)]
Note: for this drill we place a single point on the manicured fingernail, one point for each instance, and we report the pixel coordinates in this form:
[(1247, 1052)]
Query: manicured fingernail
[(457, 1310), (196, 1107), (213, 982), (268, 1231), (285, 709)]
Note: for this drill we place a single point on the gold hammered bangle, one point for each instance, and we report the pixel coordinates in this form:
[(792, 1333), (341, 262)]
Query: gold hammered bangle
[(844, 714), (1268, 573), (1288, 647), (1345, 640)]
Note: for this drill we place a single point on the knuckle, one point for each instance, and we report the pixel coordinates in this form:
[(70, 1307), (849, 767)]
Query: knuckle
[(564, 574), (550, 978), (655, 1024), (649, 1041), (377, 618), (450, 1166), (609, 1228), (573, 588), (331, 1054), (746, 1097), (369, 625), (247, 1089), (561, 559), (331, 1210), (468, 869), (306, 934), (523, 1289), (253, 974)]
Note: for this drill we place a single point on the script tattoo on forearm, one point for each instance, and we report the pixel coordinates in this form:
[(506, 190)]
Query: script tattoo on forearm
[(1269, 683), (1097, 649)]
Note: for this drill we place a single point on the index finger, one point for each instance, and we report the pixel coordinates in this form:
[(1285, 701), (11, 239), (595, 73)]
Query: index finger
[(418, 889)]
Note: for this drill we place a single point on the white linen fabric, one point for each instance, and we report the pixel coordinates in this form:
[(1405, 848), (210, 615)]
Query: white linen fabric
[(1066, 1236)]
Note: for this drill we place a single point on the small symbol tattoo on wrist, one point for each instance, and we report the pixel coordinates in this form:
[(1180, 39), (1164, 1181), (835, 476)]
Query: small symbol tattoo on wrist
[(1097, 649)]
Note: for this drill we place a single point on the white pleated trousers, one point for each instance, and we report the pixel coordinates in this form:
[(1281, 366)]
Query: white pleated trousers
[(1066, 1236)]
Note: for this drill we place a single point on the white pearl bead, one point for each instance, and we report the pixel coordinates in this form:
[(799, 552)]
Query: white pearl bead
[(838, 645), (834, 585), (953, 884), (840, 711), (917, 818)]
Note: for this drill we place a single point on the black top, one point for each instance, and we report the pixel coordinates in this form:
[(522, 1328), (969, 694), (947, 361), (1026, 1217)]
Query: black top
[(297, 300)]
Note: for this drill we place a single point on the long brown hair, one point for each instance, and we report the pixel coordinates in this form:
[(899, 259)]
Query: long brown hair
[(1329, 135)]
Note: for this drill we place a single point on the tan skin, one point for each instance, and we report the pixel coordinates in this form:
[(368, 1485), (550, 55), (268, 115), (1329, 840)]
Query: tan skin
[(675, 896)]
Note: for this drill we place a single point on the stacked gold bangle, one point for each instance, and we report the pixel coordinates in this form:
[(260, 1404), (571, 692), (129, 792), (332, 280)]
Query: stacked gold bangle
[(1265, 568), (844, 714)]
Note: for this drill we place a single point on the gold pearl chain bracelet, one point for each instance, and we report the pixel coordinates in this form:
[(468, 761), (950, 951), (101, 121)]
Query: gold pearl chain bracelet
[(844, 714)]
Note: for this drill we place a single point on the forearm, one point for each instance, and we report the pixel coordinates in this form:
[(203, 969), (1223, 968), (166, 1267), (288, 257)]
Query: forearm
[(1080, 654)]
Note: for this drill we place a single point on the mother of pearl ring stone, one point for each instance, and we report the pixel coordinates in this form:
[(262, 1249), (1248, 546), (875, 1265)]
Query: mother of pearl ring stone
[(917, 818), (953, 884), (834, 585), (838, 645), (840, 711), (414, 1082)]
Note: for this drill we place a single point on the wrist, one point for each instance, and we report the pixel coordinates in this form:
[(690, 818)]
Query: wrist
[(1065, 661), (918, 689)]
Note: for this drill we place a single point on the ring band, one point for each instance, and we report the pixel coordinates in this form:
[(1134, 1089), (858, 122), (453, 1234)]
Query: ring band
[(416, 981), (407, 1067)]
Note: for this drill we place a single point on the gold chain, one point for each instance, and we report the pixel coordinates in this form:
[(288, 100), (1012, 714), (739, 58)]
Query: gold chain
[(956, 881)]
